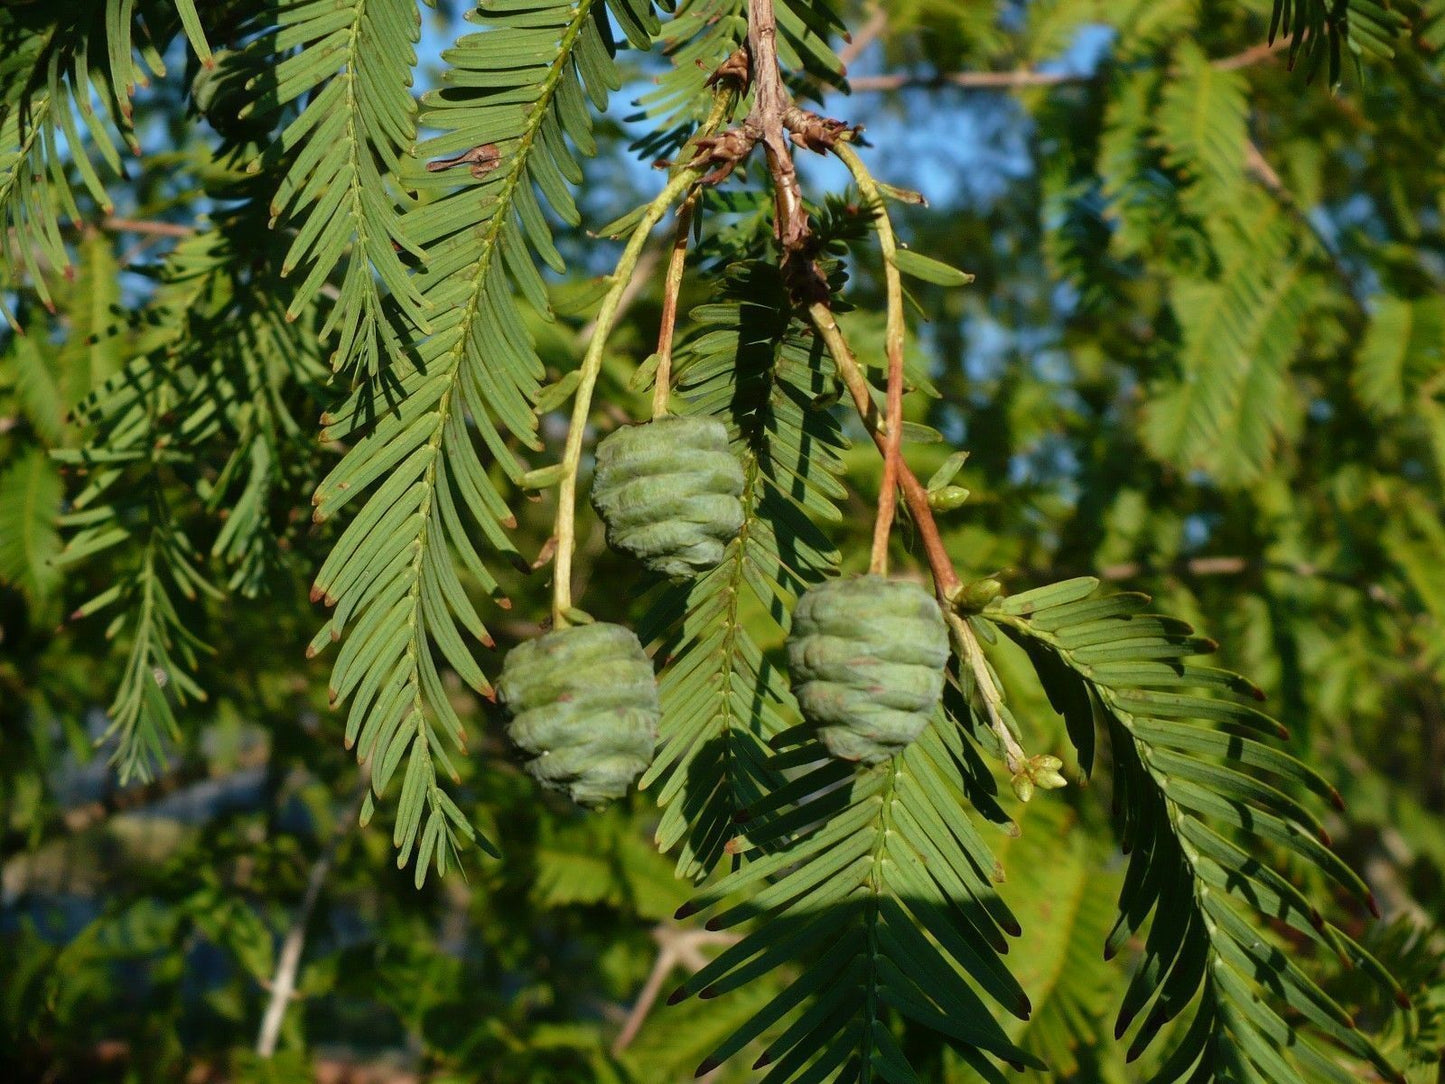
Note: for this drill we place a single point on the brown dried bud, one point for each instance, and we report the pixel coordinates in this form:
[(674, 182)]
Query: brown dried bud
[(482, 160)]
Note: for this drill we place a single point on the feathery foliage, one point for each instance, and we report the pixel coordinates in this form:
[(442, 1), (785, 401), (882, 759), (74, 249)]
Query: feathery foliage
[(1240, 329), (881, 882), (1320, 28), (62, 84), (30, 492), (343, 155), (220, 367), (521, 84), (1193, 781)]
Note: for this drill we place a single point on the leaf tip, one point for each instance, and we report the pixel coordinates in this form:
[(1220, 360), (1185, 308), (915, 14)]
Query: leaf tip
[(707, 1066), (677, 996)]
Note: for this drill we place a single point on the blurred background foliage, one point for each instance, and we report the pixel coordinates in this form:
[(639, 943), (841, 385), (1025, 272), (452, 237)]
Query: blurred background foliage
[(1204, 357)]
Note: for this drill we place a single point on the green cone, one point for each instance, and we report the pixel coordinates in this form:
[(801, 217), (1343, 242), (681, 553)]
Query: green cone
[(668, 492), (584, 709), (867, 658)]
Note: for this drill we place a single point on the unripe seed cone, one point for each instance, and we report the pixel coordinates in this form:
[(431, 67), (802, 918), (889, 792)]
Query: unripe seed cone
[(584, 708), (668, 492), (867, 657)]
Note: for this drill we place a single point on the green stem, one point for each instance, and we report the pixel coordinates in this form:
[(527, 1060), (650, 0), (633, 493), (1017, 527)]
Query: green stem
[(566, 526), (967, 647), (723, 104), (676, 264), (894, 341)]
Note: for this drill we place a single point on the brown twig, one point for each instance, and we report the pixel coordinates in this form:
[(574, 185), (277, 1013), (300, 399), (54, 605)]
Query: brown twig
[(1020, 78), (81, 818), (147, 227), (868, 33), (674, 946), (771, 103), (774, 112), (945, 578), (646, 265), (1256, 163), (288, 962), (821, 134), (1255, 54)]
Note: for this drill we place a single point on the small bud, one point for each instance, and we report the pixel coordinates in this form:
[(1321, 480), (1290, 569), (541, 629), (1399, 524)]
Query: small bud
[(973, 597), (947, 499), (1023, 787), (1050, 780), (1038, 772)]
